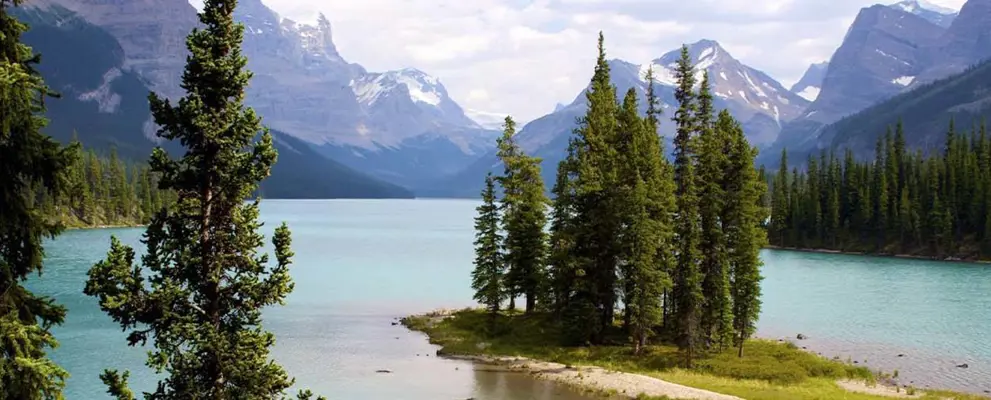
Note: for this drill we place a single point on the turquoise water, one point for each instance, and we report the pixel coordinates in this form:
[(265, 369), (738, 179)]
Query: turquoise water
[(361, 263)]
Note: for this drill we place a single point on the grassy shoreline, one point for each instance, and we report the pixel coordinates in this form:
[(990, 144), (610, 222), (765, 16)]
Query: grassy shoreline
[(769, 370)]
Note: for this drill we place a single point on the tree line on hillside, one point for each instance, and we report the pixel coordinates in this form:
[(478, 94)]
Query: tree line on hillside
[(103, 191), (901, 202), (197, 293), (655, 249)]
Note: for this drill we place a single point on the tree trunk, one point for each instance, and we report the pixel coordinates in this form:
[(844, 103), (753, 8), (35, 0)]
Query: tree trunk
[(531, 302), (512, 302)]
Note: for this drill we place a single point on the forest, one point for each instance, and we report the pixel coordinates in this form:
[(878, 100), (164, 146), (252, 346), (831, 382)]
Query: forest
[(901, 202), (674, 246), (102, 191)]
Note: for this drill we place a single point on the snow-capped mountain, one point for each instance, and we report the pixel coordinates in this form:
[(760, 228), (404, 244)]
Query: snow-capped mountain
[(757, 100), (811, 83), (406, 103), (936, 14), (398, 125), (752, 96)]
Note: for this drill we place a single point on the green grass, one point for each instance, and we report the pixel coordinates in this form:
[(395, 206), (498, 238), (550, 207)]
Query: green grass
[(768, 370)]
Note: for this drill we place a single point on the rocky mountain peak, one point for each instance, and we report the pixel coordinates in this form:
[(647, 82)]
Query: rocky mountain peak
[(936, 14), (421, 87), (811, 83), (749, 92)]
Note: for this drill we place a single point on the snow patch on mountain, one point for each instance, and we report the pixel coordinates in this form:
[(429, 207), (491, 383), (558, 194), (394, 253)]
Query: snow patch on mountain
[(809, 93), (903, 80), (914, 6), (421, 87), (107, 101)]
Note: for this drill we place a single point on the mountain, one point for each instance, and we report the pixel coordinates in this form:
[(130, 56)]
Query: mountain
[(304, 87), (965, 43), (105, 103), (756, 99), (916, 52), (925, 112), (936, 14), (487, 120), (809, 86), (879, 57)]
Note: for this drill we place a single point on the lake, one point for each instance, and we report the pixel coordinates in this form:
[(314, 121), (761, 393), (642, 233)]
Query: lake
[(361, 263)]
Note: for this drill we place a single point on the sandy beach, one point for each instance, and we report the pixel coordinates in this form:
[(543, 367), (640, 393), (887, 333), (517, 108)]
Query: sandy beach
[(595, 378)]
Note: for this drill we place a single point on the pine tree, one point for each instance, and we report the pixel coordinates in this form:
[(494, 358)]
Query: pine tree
[(687, 277), (594, 164), (744, 216), (662, 200), (199, 294), (716, 317), (31, 162), (780, 207), (487, 276), (524, 217)]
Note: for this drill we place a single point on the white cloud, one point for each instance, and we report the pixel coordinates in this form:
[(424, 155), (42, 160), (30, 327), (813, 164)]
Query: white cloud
[(524, 56)]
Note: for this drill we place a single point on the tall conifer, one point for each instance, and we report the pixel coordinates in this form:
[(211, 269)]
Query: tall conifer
[(716, 318), (30, 161), (524, 208), (487, 277), (687, 276), (199, 294)]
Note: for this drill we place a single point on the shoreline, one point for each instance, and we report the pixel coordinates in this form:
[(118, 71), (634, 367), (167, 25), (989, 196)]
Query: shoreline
[(79, 228), (883, 255), (592, 377)]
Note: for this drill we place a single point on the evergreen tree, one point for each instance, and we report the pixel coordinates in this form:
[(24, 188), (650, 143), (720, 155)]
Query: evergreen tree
[(31, 162), (199, 294), (487, 277), (744, 216), (687, 276), (590, 310), (780, 207), (524, 208), (716, 319)]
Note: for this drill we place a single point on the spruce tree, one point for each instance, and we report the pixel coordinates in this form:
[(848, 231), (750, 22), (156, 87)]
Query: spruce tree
[(199, 292), (487, 277), (716, 318), (744, 217), (524, 209), (687, 276), (30, 161), (590, 310), (780, 207)]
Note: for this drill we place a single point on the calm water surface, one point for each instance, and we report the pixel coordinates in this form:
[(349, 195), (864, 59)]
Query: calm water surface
[(361, 263)]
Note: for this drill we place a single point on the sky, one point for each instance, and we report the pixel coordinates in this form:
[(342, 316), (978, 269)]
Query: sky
[(522, 57)]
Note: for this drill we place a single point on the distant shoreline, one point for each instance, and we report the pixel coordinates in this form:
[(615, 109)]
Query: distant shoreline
[(886, 255), (79, 228)]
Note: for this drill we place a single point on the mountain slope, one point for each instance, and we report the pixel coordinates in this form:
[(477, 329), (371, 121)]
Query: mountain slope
[(304, 87), (880, 56), (925, 112), (936, 14), (106, 105), (811, 83), (965, 43), (760, 102)]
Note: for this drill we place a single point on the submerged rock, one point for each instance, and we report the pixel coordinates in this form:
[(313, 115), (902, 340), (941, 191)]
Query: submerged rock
[(383, 371), (802, 337)]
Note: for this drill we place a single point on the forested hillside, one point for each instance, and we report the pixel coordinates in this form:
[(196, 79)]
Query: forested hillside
[(901, 202), (103, 191)]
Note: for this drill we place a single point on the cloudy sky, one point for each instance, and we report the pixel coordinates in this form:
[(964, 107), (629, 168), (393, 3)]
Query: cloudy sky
[(524, 56)]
